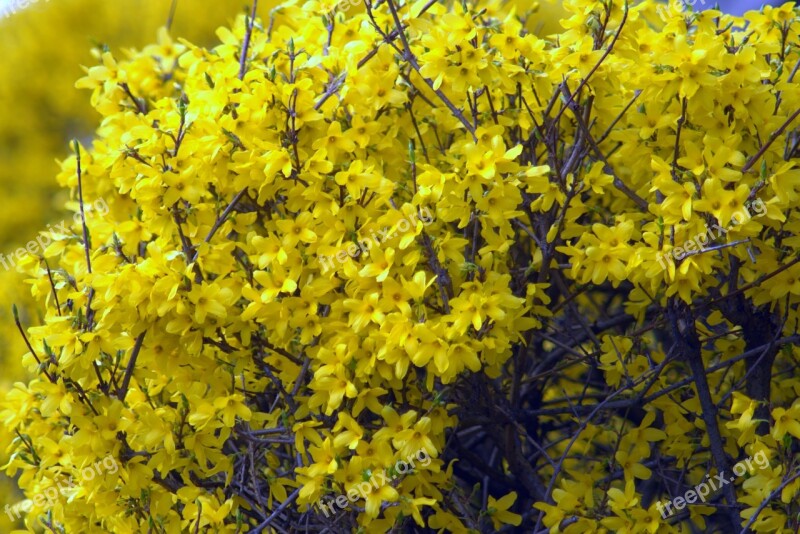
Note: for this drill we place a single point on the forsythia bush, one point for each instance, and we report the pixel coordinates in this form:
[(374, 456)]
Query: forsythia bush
[(415, 266)]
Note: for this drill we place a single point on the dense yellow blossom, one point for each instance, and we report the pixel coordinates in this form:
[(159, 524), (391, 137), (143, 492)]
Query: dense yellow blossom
[(265, 328)]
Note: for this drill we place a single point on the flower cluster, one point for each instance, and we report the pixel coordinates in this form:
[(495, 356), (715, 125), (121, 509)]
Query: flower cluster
[(703, 241), (50, 496), (370, 490), (527, 338), (363, 247)]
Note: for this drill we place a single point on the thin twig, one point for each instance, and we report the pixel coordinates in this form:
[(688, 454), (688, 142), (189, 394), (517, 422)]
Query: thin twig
[(412, 60), (392, 36), (221, 219), (332, 89), (777, 133), (618, 183), (766, 501), (585, 80), (52, 285), (171, 15), (246, 44), (28, 344), (123, 390), (277, 511), (86, 242), (610, 128), (141, 105)]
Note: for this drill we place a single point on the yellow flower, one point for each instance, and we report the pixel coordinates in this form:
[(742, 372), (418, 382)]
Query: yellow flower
[(413, 440), (377, 496), (786, 421), (232, 407), (209, 299), (497, 510)]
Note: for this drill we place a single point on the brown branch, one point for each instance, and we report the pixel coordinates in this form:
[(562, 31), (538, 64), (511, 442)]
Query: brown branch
[(684, 333)]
